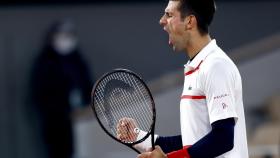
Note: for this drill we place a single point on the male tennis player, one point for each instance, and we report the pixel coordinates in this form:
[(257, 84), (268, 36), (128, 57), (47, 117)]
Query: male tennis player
[(211, 108)]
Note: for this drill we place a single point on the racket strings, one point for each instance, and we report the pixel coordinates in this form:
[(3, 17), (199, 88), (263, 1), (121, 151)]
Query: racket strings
[(133, 102), (137, 99)]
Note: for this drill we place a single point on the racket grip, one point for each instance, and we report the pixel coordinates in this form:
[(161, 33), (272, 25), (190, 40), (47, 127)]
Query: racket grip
[(153, 141)]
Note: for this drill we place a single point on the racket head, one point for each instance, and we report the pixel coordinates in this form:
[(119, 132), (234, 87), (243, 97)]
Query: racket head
[(111, 83)]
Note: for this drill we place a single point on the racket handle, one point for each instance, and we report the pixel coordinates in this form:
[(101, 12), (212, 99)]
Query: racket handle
[(153, 141)]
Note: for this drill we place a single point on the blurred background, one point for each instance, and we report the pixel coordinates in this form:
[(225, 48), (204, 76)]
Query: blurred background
[(63, 46)]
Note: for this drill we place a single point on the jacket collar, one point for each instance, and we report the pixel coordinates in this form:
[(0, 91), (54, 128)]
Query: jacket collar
[(208, 49)]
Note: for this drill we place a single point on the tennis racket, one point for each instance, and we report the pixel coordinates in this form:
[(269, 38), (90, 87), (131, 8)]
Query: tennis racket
[(123, 106)]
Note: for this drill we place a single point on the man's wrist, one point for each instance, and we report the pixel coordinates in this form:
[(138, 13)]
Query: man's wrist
[(146, 145)]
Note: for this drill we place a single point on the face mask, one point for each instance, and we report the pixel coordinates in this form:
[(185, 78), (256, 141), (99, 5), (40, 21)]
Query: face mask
[(64, 45)]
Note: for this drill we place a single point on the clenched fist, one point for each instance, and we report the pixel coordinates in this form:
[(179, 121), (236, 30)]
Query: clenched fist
[(156, 153), (127, 130)]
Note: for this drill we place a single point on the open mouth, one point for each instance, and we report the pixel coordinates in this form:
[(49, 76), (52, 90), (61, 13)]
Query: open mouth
[(170, 41)]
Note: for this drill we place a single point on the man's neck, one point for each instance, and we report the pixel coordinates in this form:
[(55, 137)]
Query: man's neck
[(197, 44)]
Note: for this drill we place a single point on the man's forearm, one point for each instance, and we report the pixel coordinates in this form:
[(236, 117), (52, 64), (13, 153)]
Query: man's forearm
[(218, 141), (169, 144)]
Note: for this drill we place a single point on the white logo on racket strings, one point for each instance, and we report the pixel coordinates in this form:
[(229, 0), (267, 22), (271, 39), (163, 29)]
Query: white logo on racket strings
[(136, 130)]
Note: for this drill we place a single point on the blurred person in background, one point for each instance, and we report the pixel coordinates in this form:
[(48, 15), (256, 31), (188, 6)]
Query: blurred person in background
[(266, 137), (60, 83)]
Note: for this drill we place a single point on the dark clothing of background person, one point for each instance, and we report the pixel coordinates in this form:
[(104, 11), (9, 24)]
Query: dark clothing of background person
[(54, 78)]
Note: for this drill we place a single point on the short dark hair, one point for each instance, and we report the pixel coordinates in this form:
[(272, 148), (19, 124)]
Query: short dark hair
[(203, 10)]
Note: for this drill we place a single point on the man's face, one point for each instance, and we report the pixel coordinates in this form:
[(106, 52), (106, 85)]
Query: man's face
[(174, 26)]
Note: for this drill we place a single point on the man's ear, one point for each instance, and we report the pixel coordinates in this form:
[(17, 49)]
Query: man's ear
[(190, 22)]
